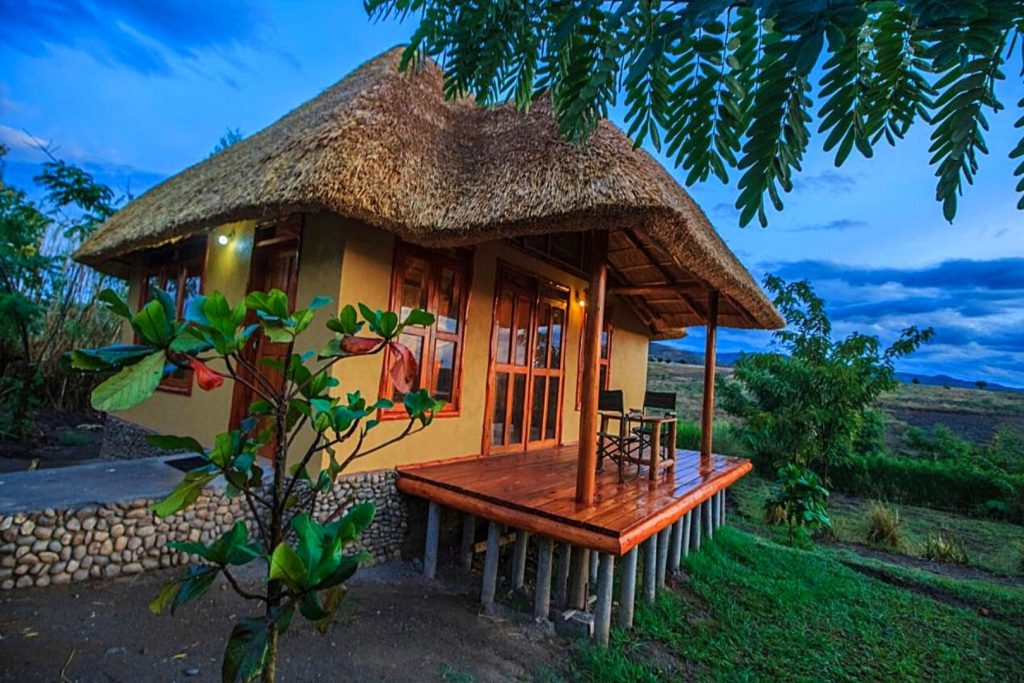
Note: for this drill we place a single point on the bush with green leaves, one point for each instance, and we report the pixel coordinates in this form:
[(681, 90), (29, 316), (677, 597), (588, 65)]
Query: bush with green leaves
[(45, 298), (799, 499), (719, 84), (304, 558), (811, 402), (959, 486), (724, 439)]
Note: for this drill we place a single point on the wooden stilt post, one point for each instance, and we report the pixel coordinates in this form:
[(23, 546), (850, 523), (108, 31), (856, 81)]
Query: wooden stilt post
[(542, 596), (468, 539), (594, 561), (675, 553), (562, 580), (586, 463), (709, 522), (725, 492), (433, 537), (603, 609), (707, 415), (579, 572), (519, 560), (696, 526), (663, 539), (650, 568), (627, 590), (490, 584), (687, 523)]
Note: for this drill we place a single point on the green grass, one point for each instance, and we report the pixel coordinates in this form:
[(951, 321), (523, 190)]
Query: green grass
[(756, 610), (993, 546)]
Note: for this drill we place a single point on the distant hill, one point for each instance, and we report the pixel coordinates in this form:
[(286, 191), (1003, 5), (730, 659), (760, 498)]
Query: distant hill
[(947, 381), (667, 353)]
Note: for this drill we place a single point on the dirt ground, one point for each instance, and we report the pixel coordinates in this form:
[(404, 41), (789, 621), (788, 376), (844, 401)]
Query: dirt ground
[(394, 626), (56, 439)]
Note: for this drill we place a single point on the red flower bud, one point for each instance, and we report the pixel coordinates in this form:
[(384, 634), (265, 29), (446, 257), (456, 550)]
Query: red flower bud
[(207, 378), (355, 346)]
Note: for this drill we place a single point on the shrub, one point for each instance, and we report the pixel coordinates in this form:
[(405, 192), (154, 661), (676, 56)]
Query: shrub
[(802, 499), (883, 524), (945, 485), (949, 549)]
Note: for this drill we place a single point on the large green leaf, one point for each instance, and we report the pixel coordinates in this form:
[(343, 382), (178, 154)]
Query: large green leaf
[(185, 493), (131, 386), (185, 589), (153, 325), (286, 566), (246, 650), (231, 548), (113, 356)]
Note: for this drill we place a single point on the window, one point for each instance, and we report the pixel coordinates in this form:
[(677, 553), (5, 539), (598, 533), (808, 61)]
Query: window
[(605, 362), (436, 281), (178, 271)]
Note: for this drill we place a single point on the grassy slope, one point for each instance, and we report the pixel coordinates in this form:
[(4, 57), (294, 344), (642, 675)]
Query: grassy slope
[(756, 610), (994, 546)]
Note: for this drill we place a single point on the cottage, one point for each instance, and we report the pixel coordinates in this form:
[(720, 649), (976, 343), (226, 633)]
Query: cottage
[(549, 267)]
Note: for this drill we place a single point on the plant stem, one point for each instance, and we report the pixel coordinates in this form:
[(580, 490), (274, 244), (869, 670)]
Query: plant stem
[(270, 663)]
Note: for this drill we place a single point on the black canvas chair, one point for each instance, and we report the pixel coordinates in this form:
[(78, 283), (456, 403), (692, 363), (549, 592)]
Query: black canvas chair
[(616, 438), (661, 403)]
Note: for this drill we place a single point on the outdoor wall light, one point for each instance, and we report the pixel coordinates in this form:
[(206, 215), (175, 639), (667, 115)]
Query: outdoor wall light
[(581, 297), (223, 239)]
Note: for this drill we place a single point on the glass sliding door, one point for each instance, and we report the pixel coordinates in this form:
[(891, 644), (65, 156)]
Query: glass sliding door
[(526, 378)]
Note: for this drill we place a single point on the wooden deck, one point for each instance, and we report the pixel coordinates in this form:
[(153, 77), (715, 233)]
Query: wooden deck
[(535, 491)]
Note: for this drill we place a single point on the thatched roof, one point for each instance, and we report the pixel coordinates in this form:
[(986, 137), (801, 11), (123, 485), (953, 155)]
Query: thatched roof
[(387, 148)]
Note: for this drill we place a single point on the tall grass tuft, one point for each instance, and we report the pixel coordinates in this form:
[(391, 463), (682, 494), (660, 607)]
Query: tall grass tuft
[(883, 524), (945, 548)]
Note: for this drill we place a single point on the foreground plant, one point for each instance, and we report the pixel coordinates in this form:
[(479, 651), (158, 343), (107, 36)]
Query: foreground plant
[(799, 500), (304, 559)]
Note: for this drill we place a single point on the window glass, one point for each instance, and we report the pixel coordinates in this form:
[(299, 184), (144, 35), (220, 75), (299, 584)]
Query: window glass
[(552, 419), (504, 328), (557, 320), (444, 370), (414, 286), (537, 408), (522, 333), (540, 355), (449, 304), (518, 407), (500, 408)]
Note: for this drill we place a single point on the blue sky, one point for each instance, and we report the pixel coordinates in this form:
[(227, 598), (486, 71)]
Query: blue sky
[(138, 90)]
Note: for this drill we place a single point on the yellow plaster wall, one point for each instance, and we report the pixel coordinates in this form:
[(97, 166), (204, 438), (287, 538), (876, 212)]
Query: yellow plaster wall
[(351, 262), (366, 277), (205, 413)]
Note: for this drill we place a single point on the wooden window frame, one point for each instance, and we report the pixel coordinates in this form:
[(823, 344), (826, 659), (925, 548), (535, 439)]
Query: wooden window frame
[(609, 327), (461, 262), (179, 261)]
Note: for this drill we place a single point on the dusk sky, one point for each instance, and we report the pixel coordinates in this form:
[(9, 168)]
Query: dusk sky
[(138, 90)]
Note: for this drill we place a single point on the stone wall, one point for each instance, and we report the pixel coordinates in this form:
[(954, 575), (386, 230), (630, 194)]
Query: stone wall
[(112, 539)]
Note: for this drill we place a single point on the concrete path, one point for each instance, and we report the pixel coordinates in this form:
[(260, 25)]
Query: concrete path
[(107, 481)]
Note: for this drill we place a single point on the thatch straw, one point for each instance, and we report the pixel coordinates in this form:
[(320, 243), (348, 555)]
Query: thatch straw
[(387, 148)]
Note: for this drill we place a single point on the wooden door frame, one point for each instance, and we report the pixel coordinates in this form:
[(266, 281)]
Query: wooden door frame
[(239, 403), (539, 281)]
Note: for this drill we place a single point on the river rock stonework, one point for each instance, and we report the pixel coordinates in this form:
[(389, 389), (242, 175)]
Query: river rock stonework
[(114, 539)]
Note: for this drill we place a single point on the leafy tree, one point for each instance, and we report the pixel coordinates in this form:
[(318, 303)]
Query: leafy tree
[(44, 296), (306, 567), (231, 137), (811, 402), (739, 84)]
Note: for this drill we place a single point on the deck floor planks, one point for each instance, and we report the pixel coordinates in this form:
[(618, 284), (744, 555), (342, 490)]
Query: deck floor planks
[(542, 483)]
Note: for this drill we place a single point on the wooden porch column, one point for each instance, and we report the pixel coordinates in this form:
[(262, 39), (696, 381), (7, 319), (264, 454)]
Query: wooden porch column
[(707, 415), (587, 460)]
